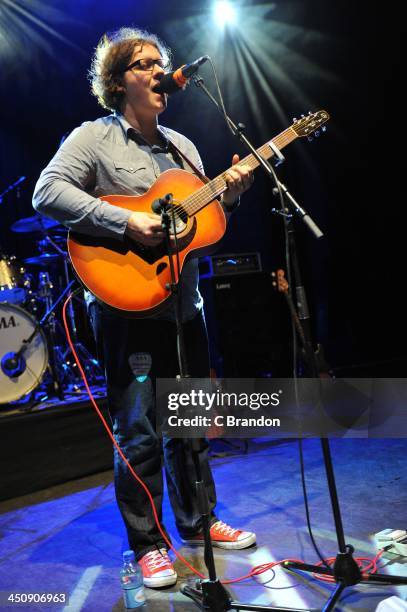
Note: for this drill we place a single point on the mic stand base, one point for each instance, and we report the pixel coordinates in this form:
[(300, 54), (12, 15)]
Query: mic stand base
[(346, 573), (212, 595)]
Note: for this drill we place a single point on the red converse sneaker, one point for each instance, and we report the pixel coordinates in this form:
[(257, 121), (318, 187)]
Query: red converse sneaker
[(224, 536), (157, 569)]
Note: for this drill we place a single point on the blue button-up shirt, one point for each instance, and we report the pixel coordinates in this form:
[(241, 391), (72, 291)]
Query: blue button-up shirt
[(108, 156)]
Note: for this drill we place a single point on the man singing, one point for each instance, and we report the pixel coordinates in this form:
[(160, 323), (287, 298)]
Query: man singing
[(124, 153)]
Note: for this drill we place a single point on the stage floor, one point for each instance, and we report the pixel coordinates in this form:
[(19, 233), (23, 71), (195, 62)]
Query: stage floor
[(69, 538)]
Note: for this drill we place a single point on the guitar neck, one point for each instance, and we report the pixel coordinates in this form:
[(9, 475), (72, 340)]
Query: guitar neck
[(214, 188)]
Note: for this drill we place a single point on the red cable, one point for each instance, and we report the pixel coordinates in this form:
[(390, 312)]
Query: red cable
[(119, 450), (255, 571), (370, 568)]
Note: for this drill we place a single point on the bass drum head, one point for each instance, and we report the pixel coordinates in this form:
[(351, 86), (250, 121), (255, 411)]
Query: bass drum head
[(17, 325)]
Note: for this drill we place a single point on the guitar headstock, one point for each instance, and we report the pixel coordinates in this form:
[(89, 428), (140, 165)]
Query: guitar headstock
[(308, 124), (279, 281)]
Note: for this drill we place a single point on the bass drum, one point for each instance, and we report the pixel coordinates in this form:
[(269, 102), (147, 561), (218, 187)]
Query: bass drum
[(20, 374)]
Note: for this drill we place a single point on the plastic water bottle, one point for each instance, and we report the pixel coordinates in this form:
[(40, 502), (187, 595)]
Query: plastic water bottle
[(131, 579)]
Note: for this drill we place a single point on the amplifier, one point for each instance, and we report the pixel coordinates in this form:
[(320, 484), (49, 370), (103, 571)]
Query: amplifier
[(230, 264), (248, 324)]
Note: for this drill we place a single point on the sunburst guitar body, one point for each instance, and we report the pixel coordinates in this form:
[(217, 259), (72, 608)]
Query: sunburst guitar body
[(135, 279)]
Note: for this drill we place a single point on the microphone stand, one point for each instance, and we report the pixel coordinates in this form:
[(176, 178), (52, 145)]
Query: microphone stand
[(238, 131), (163, 206), (210, 594), (345, 571)]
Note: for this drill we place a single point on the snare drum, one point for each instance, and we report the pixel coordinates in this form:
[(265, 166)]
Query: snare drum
[(14, 282), (17, 325)]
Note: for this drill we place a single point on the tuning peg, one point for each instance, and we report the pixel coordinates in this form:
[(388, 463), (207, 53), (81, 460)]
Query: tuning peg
[(295, 119), (302, 116), (316, 133), (310, 138), (323, 128)]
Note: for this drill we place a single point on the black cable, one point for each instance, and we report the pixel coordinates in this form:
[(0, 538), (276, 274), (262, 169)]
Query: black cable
[(295, 377), (306, 504), (222, 104)]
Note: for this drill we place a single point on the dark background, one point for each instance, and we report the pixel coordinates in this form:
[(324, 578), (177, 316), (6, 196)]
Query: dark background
[(280, 60)]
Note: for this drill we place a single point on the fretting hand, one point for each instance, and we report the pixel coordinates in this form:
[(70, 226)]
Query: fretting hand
[(238, 179)]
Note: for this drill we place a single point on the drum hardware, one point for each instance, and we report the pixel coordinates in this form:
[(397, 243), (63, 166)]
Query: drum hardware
[(15, 185), (39, 345), (58, 239), (36, 223), (90, 365), (64, 374), (15, 283)]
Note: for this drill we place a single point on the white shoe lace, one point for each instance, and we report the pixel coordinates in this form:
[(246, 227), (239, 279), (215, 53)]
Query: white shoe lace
[(157, 559), (223, 528)]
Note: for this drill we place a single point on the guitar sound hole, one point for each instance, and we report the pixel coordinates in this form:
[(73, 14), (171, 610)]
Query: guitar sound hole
[(181, 219), (161, 267)]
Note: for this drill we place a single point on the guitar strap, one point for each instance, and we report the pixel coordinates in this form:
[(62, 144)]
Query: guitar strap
[(176, 151)]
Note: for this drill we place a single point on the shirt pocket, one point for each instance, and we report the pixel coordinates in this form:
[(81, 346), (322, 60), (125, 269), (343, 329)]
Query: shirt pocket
[(127, 166), (131, 175)]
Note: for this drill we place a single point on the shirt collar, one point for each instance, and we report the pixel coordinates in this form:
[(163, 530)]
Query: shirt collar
[(129, 129)]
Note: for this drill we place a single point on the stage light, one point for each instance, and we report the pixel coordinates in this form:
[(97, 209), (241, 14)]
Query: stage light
[(224, 13)]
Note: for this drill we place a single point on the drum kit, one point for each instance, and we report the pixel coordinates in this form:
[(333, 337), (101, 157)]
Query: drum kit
[(34, 353)]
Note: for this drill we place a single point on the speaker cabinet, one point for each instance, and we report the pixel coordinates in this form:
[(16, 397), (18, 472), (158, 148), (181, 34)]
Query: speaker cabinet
[(248, 325)]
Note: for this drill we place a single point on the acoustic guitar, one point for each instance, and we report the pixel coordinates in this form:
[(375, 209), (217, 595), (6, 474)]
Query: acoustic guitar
[(135, 280)]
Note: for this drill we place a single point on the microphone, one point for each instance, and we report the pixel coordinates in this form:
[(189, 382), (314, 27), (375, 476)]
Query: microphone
[(162, 204), (176, 80)]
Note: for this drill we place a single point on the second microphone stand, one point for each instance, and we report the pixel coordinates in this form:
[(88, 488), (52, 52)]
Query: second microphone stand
[(345, 571)]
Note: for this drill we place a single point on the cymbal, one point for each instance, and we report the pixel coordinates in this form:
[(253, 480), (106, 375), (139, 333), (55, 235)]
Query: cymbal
[(36, 223), (42, 260), (60, 230)]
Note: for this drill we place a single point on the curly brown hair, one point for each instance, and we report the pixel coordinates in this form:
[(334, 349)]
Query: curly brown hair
[(112, 55)]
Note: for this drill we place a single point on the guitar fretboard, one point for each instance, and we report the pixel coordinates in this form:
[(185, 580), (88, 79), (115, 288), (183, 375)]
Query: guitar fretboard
[(212, 190)]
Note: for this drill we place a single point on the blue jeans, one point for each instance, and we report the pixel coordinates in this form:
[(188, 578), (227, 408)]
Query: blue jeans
[(131, 401)]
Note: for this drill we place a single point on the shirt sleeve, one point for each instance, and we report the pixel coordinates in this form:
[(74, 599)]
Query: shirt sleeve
[(61, 191)]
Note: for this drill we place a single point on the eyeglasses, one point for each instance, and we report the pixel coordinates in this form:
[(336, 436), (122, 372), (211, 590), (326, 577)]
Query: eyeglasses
[(147, 64)]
